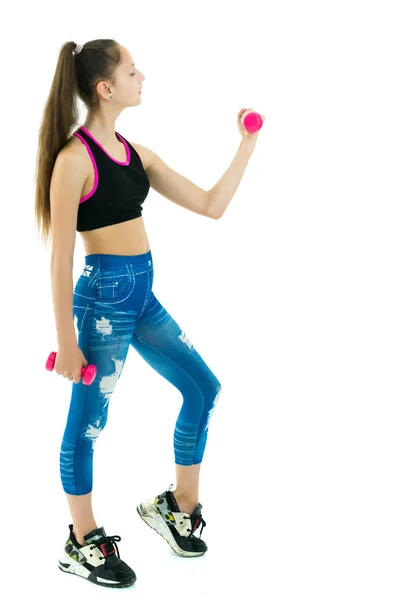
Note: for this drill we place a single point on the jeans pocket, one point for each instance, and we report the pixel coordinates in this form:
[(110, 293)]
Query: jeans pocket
[(114, 285), (83, 289)]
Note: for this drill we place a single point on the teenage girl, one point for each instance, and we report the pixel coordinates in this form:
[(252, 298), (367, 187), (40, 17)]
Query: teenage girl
[(95, 182)]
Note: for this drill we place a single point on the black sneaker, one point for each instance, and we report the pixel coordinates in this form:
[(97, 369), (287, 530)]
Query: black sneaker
[(96, 560), (177, 528)]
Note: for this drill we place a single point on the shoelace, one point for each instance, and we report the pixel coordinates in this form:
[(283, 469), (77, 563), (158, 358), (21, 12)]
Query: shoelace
[(107, 546), (195, 522)]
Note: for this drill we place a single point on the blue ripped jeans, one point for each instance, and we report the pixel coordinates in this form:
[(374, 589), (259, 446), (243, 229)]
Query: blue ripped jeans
[(114, 308)]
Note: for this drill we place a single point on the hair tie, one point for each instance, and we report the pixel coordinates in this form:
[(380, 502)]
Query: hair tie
[(77, 49)]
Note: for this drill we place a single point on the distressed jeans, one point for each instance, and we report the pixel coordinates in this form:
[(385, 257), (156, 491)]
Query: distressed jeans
[(114, 308)]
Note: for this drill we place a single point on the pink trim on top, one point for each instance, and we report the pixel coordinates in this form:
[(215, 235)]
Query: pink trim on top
[(128, 152), (96, 171)]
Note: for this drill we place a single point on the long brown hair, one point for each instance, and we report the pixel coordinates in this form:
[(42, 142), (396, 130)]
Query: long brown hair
[(75, 76)]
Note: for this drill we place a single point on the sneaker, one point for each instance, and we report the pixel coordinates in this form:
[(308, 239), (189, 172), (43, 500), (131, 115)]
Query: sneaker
[(96, 560), (177, 528)]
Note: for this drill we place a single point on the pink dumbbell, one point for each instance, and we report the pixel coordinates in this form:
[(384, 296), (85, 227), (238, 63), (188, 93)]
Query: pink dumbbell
[(251, 120), (88, 373)]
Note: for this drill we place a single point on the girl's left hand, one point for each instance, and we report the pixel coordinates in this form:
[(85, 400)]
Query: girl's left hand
[(243, 132)]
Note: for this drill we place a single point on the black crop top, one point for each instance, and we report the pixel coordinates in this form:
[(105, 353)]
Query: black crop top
[(119, 188)]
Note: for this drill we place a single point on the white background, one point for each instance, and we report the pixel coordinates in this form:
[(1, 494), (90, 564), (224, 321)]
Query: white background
[(292, 298)]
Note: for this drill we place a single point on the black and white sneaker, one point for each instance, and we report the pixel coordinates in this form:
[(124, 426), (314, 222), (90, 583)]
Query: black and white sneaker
[(177, 528), (96, 560)]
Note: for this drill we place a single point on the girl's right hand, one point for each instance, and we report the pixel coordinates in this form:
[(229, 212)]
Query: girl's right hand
[(69, 362)]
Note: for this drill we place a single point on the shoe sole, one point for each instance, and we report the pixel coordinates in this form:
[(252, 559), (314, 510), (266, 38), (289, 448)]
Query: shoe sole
[(66, 564), (149, 514)]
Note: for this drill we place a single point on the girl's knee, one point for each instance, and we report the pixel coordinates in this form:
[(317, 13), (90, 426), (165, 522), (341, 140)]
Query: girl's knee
[(94, 428), (214, 397)]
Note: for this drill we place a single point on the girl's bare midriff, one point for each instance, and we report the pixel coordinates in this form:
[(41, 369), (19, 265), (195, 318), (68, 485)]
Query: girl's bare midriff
[(125, 238)]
